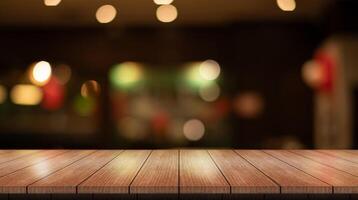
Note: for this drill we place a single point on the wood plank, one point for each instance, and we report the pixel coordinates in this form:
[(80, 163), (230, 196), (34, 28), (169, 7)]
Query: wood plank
[(67, 179), (343, 154), (342, 182), (13, 155), (18, 181), (160, 174), (199, 174), (241, 175), (117, 175), (31, 159), (332, 161), (290, 179)]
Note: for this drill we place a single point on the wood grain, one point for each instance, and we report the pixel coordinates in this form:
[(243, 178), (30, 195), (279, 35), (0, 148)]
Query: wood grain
[(67, 179), (18, 181), (117, 175), (346, 155), (17, 164), (13, 155), (332, 161), (342, 182), (199, 174), (290, 179), (241, 175), (159, 174)]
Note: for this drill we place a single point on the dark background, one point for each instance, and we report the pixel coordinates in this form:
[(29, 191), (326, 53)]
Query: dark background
[(259, 55)]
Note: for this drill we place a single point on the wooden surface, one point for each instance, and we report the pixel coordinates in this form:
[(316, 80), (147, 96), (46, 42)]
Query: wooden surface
[(290, 179), (342, 182), (157, 176), (170, 172)]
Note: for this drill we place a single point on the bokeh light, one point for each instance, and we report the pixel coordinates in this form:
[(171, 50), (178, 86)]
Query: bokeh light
[(84, 106), (166, 13), (52, 2), (193, 76), (286, 5), (25, 94), (40, 73), (194, 130), (63, 73), (126, 75), (209, 92), (53, 94), (90, 89), (3, 94), (106, 14), (209, 70), (312, 74), (163, 2), (249, 105)]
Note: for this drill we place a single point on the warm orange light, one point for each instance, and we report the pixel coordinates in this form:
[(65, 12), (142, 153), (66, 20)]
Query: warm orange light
[(52, 2), (106, 14), (286, 5), (90, 89), (249, 105), (163, 2), (167, 13), (312, 74)]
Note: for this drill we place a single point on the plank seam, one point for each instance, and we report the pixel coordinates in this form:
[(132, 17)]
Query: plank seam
[(219, 170), (145, 161), (27, 187), (323, 163), (260, 171), (97, 170), (300, 170)]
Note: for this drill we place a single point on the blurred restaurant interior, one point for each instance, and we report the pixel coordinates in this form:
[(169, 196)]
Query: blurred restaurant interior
[(179, 73)]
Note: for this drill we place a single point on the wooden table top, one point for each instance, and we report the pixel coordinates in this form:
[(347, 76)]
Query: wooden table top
[(174, 171)]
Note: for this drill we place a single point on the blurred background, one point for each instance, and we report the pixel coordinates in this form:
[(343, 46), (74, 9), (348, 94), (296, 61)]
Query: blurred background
[(178, 73)]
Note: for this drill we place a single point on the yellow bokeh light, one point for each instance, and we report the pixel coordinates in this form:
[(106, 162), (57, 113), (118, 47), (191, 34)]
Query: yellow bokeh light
[(126, 74), (90, 89), (25, 94), (166, 13), (3, 94), (106, 14), (209, 92), (286, 5), (163, 2), (52, 2), (194, 129), (41, 73), (209, 70)]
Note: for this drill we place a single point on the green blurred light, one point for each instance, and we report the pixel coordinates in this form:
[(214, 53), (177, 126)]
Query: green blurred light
[(125, 75), (84, 106)]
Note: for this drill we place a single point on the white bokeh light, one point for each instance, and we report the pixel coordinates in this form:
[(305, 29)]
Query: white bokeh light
[(209, 70)]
